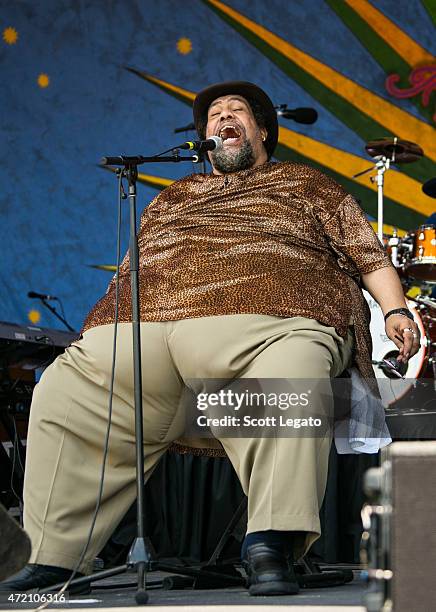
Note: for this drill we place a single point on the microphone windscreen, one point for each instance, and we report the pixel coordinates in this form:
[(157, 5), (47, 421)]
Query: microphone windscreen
[(217, 140), (305, 115)]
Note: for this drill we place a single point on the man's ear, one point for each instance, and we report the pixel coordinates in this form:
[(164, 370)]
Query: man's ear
[(264, 135)]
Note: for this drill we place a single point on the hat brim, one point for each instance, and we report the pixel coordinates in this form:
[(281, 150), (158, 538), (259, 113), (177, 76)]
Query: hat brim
[(247, 90)]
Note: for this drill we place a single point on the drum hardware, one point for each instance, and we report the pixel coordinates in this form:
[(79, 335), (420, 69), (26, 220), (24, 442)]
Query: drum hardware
[(387, 151), (382, 164), (393, 243), (425, 301)]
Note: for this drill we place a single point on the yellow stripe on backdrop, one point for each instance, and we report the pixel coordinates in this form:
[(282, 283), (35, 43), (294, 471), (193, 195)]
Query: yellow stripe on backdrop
[(177, 90), (388, 229), (399, 187), (395, 120), (395, 37), (159, 181)]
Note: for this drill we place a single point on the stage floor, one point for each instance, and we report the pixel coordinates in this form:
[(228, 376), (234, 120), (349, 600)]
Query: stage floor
[(110, 594)]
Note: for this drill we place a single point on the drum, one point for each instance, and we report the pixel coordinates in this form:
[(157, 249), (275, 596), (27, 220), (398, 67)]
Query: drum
[(421, 259), (391, 387)]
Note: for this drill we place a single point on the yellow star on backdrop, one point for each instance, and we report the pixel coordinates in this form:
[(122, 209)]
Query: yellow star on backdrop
[(184, 46), (34, 316), (10, 36), (43, 80)]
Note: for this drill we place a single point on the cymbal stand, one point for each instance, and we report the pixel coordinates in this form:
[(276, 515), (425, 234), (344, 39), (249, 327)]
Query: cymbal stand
[(382, 164)]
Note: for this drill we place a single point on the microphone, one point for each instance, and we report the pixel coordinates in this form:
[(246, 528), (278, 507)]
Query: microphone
[(214, 142), (391, 367), (41, 296), (300, 115), (121, 160)]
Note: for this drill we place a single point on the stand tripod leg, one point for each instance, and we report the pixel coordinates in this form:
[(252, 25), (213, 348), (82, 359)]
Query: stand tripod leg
[(231, 529), (139, 557), (214, 574)]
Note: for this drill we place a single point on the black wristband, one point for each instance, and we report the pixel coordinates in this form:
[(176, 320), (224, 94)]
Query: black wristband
[(400, 311)]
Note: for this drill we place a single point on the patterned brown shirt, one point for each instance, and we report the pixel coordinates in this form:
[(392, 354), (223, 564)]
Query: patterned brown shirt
[(281, 239)]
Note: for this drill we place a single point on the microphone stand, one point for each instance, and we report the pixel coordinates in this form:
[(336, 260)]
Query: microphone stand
[(53, 310), (139, 555)]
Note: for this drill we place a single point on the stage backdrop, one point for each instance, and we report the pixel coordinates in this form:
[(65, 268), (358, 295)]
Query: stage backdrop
[(83, 79)]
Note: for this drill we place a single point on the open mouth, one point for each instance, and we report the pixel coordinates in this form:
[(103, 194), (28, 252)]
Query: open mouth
[(229, 134)]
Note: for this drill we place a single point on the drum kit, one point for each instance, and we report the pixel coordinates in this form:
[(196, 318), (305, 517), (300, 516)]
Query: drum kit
[(414, 257)]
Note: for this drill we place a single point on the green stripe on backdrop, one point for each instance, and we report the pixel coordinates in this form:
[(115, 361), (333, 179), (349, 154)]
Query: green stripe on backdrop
[(386, 57), (363, 125), (394, 213), (430, 6)]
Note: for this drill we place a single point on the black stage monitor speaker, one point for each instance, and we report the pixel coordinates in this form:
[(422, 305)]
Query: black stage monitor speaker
[(399, 541)]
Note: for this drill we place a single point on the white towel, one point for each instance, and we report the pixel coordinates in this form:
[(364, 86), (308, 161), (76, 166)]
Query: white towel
[(365, 430)]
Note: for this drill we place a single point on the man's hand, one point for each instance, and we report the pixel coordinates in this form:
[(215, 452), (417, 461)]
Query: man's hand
[(405, 334), (385, 287)]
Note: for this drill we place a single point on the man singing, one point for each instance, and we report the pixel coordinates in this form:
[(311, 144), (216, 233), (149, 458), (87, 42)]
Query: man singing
[(252, 271)]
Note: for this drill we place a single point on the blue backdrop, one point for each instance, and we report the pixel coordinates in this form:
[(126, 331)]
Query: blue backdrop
[(67, 99)]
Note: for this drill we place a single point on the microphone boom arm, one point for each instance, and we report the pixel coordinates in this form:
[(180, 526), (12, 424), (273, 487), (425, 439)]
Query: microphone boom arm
[(137, 160), (53, 310)]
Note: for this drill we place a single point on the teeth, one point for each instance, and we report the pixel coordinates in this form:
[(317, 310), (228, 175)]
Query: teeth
[(231, 127)]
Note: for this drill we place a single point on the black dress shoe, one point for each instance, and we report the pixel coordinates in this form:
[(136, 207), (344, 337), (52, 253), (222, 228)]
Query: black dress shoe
[(270, 571), (34, 577)]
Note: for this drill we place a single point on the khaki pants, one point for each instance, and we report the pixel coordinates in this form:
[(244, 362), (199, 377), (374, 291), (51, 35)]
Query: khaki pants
[(284, 478)]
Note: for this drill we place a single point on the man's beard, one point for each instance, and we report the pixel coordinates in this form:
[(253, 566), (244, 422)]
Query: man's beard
[(228, 160)]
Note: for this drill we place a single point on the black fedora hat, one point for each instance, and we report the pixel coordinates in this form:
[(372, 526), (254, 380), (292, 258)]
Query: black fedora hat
[(247, 90)]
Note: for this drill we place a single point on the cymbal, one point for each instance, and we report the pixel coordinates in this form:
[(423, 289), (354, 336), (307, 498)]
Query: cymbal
[(105, 267), (398, 151)]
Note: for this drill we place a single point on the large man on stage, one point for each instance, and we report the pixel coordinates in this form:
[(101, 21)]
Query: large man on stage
[(251, 271)]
